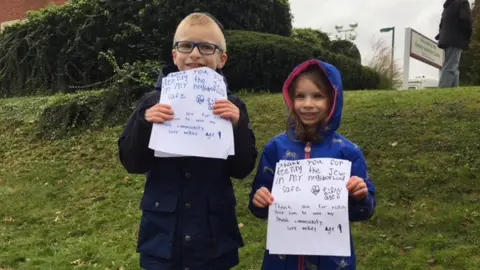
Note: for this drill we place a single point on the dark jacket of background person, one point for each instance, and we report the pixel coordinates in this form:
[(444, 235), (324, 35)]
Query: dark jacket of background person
[(455, 25)]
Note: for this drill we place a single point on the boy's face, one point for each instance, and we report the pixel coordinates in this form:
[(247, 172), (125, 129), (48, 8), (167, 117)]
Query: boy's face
[(208, 33)]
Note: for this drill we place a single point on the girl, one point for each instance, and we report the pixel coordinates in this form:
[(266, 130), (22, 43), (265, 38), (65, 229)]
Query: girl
[(314, 96)]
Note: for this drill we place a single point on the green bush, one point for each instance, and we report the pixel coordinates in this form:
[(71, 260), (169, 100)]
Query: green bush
[(470, 60), (233, 14), (87, 110), (99, 108), (58, 48), (355, 76), (69, 111), (311, 36), (261, 61), (346, 48)]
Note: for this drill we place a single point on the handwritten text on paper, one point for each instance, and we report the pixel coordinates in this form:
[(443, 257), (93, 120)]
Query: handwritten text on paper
[(309, 215), (195, 130)]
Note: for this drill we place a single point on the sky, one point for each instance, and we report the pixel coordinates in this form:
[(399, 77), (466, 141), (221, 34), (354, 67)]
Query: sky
[(372, 15)]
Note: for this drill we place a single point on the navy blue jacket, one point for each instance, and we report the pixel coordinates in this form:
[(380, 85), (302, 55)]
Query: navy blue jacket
[(188, 206)]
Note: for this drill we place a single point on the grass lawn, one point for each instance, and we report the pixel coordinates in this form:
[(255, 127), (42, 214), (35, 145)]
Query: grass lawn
[(68, 203)]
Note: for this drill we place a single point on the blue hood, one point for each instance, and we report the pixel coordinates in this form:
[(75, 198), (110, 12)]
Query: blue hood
[(335, 79)]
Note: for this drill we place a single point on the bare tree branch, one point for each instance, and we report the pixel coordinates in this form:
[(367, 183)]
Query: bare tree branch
[(381, 61)]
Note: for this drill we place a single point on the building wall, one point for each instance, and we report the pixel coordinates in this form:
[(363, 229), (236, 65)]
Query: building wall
[(15, 10)]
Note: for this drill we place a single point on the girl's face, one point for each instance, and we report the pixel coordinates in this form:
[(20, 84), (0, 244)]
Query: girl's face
[(310, 103)]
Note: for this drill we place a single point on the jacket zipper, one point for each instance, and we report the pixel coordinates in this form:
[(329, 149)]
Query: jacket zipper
[(308, 150), (308, 153)]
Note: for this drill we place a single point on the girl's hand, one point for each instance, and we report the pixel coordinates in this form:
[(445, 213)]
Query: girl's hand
[(357, 188), (263, 198), (226, 109)]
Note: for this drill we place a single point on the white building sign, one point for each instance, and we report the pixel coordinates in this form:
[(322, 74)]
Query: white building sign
[(423, 49)]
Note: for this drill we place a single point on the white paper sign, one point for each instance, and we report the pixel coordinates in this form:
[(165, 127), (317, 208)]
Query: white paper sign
[(195, 130), (309, 215)]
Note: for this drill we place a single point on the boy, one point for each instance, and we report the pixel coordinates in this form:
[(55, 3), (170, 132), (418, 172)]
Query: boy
[(188, 206)]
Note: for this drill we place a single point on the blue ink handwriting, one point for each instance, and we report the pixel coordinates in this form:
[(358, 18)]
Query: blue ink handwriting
[(176, 96), (211, 102), (200, 99)]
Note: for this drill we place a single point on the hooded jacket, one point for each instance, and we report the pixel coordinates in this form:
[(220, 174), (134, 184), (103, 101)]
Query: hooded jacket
[(188, 204), (333, 145)]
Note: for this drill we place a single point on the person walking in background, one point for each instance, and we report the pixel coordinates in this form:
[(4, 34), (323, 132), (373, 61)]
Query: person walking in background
[(454, 37)]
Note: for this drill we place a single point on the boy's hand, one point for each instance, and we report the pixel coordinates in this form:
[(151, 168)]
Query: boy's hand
[(263, 198), (159, 113), (226, 109), (357, 188)]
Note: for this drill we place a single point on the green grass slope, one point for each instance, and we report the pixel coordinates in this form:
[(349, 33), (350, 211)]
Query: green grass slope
[(68, 203)]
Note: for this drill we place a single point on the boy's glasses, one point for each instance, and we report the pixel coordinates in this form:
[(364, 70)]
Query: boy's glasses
[(204, 48)]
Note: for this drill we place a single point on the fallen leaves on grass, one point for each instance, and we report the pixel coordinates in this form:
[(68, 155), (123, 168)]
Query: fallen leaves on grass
[(78, 262), (9, 219)]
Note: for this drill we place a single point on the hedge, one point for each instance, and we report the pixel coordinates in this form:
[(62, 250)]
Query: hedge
[(233, 14), (98, 108), (260, 61), (257, 61), (355, 76), (312, 36), (57, 49), (346, 48)]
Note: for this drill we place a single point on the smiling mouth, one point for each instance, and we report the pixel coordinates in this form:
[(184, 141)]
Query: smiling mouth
[(195, 65), (309, 116)]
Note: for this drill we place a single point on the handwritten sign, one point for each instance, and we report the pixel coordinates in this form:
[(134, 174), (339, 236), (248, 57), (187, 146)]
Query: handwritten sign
[(195, 130), (309, 215)]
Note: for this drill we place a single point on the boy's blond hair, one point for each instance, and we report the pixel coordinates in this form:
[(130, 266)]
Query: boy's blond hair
[(198, 18)]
